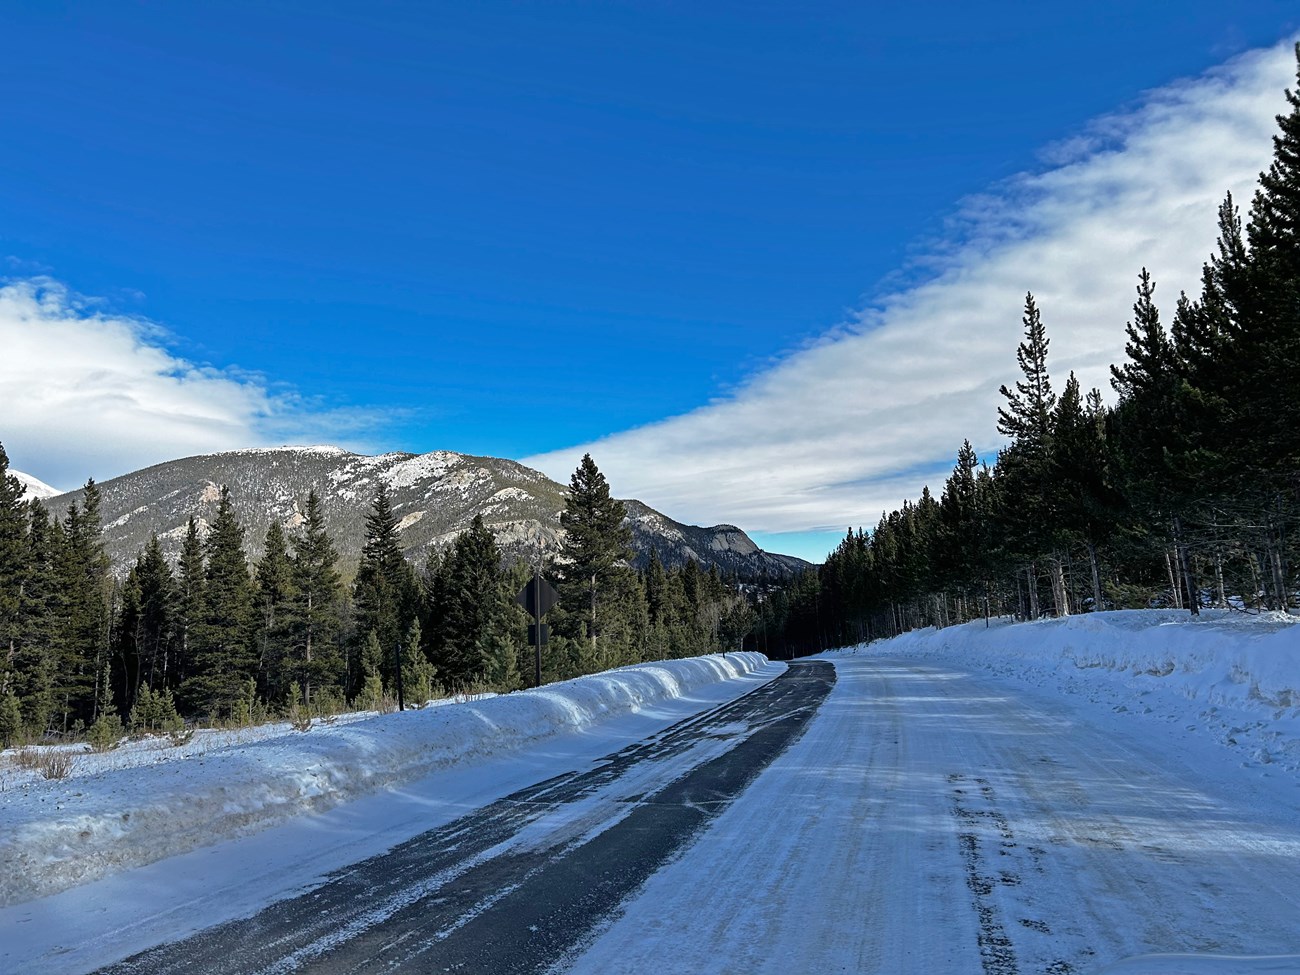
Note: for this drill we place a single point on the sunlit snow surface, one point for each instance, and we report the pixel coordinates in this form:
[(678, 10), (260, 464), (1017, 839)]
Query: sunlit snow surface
[(1049, 797), (143, 803), (1021, 798), (1231, 676)]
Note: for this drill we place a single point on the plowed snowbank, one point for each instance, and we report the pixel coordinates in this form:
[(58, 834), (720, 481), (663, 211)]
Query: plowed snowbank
[(57, 834), (1231, 675)]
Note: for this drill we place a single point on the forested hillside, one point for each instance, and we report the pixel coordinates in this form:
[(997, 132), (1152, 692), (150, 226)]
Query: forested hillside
[(218, 638), (1182, 491)]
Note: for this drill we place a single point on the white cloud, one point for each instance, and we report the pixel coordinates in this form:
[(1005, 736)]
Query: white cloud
[(90, 393), (838, 432)]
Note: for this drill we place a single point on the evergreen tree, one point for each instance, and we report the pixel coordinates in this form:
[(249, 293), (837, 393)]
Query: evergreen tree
[(595, 541), (82, 675), (189, 604), (384, 594), (472, 608), (13, 569), (656, 590), (40, 649), (1024, 466), (274, 595), (315, 611), (417, 671), (1027, 417), (224, 657), (144, 627)]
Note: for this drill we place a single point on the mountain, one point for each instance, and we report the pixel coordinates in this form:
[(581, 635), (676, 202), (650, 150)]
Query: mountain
[(434, 495), (34, 488)]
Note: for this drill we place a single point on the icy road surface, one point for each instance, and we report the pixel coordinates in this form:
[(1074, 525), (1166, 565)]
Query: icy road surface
[(884, 816)]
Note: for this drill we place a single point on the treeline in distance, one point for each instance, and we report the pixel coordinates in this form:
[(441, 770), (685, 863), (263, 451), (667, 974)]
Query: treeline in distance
[(1184, 492)]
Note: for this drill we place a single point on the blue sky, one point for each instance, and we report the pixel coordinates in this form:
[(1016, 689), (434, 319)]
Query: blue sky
[(516, 229)]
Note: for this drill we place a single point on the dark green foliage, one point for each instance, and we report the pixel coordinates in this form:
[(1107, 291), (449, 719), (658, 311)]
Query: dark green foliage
[(474, 612), (13, 568), (314, 615), (81, 675), (188, 603), (155, 712), (596, 541), (11, 719), (274, 595), (222, 640), (145, 627), (385, 596), (212, 641)]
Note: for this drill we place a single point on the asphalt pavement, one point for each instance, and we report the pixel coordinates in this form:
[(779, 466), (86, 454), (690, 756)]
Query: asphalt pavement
[(520, 884)]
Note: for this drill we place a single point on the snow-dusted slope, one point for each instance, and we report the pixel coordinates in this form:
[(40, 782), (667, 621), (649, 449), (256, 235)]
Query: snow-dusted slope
[(34, 488), (435, 497), (105, 817)]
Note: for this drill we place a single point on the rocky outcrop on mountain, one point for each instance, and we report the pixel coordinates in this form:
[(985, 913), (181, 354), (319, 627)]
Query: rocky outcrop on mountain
[(435, 497)]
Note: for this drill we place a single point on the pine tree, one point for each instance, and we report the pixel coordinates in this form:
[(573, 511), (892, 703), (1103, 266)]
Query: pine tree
[(223, 641), (274, 595), (656, 590), (189, 605), (417, 671), (145, 626), (384, 594), (43, 613), (315, 610), (1027, 417), (1086, 502), (13, 569), (470, 608), (1266, 365), (82, 675), (595, 541), (1024, 466)]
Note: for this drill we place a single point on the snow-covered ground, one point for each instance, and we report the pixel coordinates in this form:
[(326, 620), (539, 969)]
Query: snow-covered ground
[(1227, 676), (1050, 797), (1046, 797), (149, 800)]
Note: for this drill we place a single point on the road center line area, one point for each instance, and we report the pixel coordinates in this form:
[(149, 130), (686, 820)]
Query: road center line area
[(516, 884)]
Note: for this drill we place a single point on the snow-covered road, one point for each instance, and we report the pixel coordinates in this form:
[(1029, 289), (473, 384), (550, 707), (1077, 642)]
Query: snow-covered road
[(931, 820), (922, 816)]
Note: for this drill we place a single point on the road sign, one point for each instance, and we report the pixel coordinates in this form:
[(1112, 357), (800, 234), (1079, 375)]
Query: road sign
[(537, 597), (536, 638)]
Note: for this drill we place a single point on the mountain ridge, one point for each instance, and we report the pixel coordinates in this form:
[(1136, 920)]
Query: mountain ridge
[(434, 495)]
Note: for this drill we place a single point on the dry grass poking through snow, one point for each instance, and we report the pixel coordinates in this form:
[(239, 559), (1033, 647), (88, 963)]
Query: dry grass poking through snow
[(52, 763)]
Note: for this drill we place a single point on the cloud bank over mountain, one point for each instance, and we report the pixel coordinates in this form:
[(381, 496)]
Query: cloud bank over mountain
[(90, 392), (839, 431)]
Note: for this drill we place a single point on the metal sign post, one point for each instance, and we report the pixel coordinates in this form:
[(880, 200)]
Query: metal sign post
[(537, 597)]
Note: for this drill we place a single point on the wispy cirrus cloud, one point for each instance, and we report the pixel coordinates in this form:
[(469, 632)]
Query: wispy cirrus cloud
[(89, 392), (837, 432)]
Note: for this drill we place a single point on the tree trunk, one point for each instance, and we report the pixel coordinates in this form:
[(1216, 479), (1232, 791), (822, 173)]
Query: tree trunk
[(1031, 579), (1175, 590), (1218, 579), (1184, 569), (593, 613), (1096, 578), (1060, 597), (1275, 565)]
